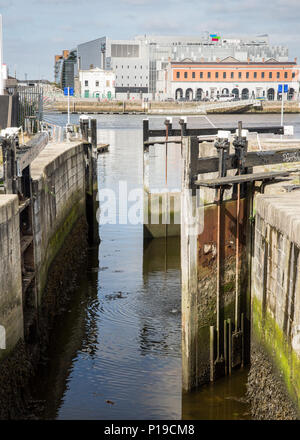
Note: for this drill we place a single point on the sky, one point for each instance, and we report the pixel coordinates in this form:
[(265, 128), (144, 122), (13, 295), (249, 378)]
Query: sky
[(35, 30)]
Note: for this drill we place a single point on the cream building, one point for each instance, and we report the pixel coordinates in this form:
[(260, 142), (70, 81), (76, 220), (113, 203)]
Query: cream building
[(97, 83)]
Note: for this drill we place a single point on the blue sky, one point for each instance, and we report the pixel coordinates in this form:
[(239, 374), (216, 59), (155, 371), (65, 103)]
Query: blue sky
[(35, 30)]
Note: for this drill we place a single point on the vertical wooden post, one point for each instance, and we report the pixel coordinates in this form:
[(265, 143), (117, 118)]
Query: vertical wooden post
[(94, 133), (145, 130), (229, 346), (212, 352), (189, 280), (84, 127), (225, 347)]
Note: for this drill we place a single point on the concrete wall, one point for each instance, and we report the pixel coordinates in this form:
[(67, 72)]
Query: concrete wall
[(276, 308), (11, 311), (59, 200), (58, 179)]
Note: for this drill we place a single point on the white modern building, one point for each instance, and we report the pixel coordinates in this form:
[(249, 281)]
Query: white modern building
[(97, 83), (140, 63)]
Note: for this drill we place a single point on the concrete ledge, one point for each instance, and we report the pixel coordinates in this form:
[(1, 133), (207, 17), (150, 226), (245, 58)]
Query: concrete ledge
[(52, 156), (281, 212)]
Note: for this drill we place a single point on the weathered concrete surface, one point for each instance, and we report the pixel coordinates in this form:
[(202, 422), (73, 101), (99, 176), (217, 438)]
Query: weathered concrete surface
[(199, 268), (276, 308), (161, 214), (11, 311), (58, 180)]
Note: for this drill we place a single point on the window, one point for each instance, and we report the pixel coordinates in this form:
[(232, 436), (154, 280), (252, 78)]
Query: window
[(270, 74), (231, 75), (185, 74), (255, 75), (217, 74), (247, 74), (285, 75), (127, 67), (278, 75), (293, 75), (86, 83), (177, 74), (201, 74), (262, 74), (240, 74), (107, 83), (224, 74), (193, 75), (97, 83), (208, 74)]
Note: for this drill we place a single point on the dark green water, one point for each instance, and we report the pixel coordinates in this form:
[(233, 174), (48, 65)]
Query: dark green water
[(116, 352)]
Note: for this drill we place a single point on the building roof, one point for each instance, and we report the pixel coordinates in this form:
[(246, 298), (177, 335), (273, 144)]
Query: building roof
[(231, 60)]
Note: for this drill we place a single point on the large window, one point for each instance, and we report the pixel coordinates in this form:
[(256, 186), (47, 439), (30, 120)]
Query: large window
[(240, 74), (217, 74), (177, 74), (125, 50), (231, 75), (224, 75), (270, 75), (278, 75), (255, 75), (201, 74), (193, 75), (208, 74), (285, 75), (247, 75), (262, 74), (185, 74)]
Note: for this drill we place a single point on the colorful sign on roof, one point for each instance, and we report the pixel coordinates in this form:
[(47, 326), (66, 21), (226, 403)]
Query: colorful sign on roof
[(215, 37)]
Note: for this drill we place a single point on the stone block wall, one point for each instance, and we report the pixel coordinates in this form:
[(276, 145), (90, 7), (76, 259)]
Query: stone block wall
[(58, 179), (276, 308), (11, 311)]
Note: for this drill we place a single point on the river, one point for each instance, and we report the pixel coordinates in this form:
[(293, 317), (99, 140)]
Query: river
[(115, 353)]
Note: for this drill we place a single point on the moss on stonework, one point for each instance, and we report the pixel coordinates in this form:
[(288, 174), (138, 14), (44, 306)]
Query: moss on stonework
[(267, 333), (57, 240)]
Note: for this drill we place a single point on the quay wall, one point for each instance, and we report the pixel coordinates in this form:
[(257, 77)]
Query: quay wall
[(58, 202), (58, 185), (11, 312), (274, 379)]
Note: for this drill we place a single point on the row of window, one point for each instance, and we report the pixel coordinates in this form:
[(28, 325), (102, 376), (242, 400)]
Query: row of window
[(232, 76), (86, 83), (128, 67), (134, 77)]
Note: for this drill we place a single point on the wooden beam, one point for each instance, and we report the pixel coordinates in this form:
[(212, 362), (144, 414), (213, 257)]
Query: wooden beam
[(243, 178), (277, 129), (253, 159), (27, 153)]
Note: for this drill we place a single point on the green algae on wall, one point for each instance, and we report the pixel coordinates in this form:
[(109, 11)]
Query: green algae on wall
[(267, 333)]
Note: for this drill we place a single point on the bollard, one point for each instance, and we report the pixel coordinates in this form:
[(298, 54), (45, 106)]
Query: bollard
[(84, 127)]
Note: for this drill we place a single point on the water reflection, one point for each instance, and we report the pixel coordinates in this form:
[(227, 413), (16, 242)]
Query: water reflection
[(223, 400)]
